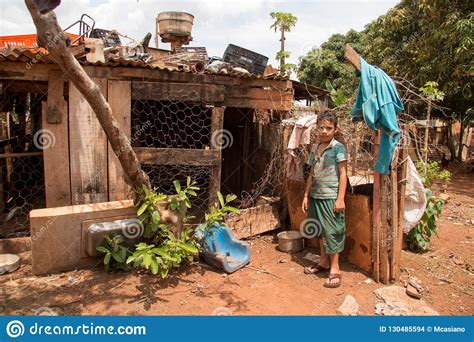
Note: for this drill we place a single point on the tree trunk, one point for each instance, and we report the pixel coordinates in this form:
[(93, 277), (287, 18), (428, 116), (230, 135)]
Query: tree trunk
[(282, 48), (427, 132), (461, 142), (51, 37)]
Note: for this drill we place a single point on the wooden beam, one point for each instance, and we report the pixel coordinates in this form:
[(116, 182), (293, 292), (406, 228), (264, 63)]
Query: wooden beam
[(259, 98), (217, 132), (88, 149), (376, 217), (25, 87), (204, 93), (352, 56), (119, 99), (384, 230), (40, 72), (55, 97), (277, 104), (393, 237), (402, 184), (176, 156), (56, 156)]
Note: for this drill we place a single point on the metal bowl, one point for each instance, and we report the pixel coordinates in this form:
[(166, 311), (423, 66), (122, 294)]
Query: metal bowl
[(290, 241)]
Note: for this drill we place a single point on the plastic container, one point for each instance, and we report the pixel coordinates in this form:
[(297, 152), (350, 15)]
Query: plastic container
[(254, 62), (24, 41), (175, 23)]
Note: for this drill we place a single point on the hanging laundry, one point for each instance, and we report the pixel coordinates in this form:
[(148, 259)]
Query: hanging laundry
[(378, 103), (301, 135)]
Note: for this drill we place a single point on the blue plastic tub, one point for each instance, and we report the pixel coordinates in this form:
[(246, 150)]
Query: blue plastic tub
[(222, 249)]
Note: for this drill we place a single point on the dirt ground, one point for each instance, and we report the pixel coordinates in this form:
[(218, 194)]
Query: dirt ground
[(273, 284)]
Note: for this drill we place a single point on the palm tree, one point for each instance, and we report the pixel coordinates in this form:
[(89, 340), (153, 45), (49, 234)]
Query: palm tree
[(283, 23)]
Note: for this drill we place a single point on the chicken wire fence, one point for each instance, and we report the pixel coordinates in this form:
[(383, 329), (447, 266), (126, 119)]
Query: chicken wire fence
[(22, 186), (180, 123)]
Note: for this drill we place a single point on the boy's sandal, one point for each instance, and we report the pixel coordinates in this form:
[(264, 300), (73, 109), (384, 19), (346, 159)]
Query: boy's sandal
[(315, 269), (331, 277)]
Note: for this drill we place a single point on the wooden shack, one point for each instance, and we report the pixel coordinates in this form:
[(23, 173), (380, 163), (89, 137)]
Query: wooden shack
[(52, 142)]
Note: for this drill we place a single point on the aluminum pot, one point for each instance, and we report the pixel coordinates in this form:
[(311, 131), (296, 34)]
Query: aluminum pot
[(290, 241)]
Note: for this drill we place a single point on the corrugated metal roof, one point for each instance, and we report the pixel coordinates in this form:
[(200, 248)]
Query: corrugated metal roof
[(40, 56)]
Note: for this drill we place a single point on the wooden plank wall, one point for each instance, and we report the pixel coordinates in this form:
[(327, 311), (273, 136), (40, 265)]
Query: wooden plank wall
[(217, 125), (88, 149), (56, 154), (119, 97)]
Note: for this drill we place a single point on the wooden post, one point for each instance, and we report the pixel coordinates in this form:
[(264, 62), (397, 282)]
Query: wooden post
[(402, 184), (120, 99), (217, 124), (384, 230), (394, 228), (352, 56), (56, 154), (376, 217)]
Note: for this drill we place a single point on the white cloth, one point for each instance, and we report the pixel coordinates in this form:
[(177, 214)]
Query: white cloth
[(415, 198), (301, 135), (302, 132)]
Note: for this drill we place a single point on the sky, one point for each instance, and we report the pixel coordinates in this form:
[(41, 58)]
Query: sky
[(245, 23)]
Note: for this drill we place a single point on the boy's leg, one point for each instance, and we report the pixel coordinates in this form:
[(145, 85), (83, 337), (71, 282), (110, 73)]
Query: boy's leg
[(324, 258), (323, 264), (334, 269)]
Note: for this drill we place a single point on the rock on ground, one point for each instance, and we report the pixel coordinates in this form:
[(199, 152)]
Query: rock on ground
[(349, 307), (393, 301)]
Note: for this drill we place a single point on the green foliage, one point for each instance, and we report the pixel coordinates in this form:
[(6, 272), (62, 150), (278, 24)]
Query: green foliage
[(430, 172), (419, 237), (337, 96), (171, 254), (283, 21), (431, 92), (220, 209), (148, 213), (116, 251), (419, 40), (327, 63), (166, 251), (427, 40)]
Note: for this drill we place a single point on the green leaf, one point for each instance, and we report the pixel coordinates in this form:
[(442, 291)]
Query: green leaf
[(155, 217), (107, 258), (147, 260), (130, 259), (192, 192), (188, 182), (154, 265), (230, 198), (102, 249), (221, 199), (142, 209), (164, 272), (161, 252), (188, 247), (177, 185)]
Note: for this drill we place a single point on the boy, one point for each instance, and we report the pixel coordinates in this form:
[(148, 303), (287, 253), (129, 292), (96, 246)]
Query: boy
[(324, 197)]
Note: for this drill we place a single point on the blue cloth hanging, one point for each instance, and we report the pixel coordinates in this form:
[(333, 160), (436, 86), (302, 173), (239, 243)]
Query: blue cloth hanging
[(378, 103)]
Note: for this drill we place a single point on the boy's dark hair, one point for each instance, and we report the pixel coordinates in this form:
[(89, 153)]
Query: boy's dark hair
[(329, 116)]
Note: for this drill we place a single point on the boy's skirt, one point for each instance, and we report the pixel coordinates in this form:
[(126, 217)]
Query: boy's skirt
[(331, 226)]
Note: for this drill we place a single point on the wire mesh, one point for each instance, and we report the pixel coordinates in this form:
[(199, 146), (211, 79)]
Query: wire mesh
[(22, 187)]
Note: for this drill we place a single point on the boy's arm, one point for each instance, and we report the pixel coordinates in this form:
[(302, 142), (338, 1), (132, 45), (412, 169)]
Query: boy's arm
[(309, 181), (339, 205)]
